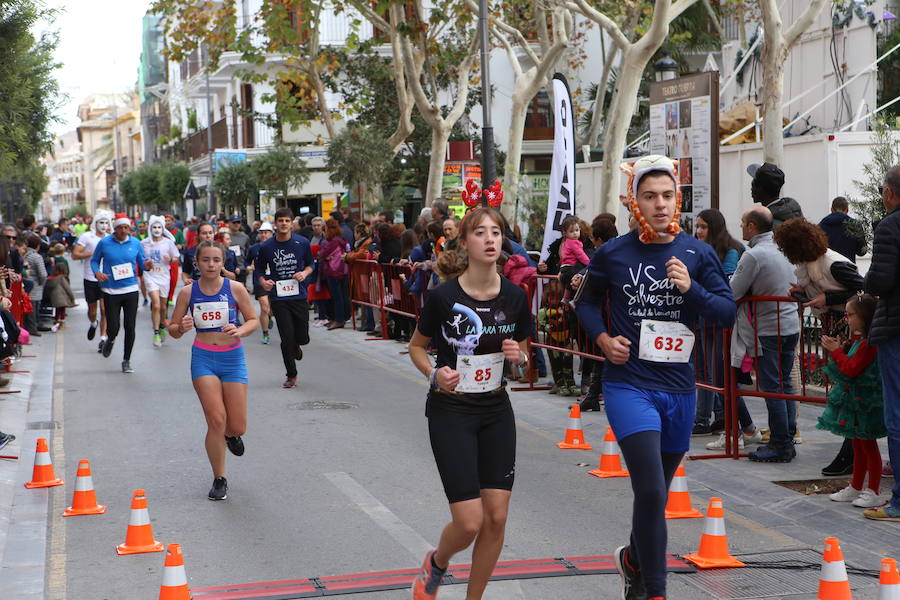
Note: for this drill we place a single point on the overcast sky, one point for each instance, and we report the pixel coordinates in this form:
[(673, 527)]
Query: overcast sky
[(99, 48)]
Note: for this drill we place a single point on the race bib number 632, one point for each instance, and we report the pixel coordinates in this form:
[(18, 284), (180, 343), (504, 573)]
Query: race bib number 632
[(665, 341)]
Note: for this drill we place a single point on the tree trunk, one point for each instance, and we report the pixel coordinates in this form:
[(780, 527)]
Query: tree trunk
[(616, 132), (440, 133), (773, 84), (514, 154)]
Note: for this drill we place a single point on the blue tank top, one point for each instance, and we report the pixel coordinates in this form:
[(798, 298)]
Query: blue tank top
[(211, 313)]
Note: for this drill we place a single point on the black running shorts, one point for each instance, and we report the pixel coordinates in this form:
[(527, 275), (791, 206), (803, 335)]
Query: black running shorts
[(473, 451), (92, 292)]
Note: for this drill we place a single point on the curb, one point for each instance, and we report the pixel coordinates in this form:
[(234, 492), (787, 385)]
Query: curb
[(23, 512)]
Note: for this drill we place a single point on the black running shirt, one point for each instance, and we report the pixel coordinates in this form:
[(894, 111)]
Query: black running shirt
[(461, 326)]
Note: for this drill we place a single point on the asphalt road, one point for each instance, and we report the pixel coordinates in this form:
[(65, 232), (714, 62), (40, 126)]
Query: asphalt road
[(338, 478)]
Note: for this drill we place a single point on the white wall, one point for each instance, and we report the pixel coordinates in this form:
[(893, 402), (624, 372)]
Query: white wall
[(809, 63), (817, 169)]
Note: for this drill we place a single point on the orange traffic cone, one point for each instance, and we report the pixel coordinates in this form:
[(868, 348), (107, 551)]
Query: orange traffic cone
[(84, 500), (574, 434), (889, 580), (833, 582), (139, 536), (713, 552), (174, 585), (43, 475), (610, 464), (679, 504)]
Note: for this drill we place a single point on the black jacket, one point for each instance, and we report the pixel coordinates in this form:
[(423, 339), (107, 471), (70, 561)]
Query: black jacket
[(839, 240), (883, 279)]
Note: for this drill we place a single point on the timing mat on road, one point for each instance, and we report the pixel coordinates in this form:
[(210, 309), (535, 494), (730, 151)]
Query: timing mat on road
[(337, 585)]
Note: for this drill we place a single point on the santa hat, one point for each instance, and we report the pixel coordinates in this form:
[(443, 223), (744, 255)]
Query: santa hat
[(121, 219)]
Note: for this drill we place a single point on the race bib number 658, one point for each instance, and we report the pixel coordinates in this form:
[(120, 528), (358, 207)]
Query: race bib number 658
[(665, 341)]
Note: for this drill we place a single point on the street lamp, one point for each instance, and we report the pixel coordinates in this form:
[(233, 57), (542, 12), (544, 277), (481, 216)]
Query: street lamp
[(665, 68)]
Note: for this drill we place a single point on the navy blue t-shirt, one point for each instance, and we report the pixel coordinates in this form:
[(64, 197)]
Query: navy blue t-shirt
[(284, 259), (188, 266), (633, 274)]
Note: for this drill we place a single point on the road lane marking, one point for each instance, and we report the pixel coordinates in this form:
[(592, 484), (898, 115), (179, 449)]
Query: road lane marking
[(56, 556), (410, 539), (405, 535)]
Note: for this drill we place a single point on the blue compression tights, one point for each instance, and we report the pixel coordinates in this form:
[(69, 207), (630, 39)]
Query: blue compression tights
[(651, 474)]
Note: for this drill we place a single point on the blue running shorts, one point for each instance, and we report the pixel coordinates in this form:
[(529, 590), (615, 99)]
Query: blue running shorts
[(225, 362), (631, 410)]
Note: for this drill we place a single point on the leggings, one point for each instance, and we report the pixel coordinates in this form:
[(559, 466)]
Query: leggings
[(866, 459), (651, 474), (128, 304)]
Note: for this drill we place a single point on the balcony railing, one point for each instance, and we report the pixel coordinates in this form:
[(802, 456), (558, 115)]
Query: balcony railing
[(196, 145)]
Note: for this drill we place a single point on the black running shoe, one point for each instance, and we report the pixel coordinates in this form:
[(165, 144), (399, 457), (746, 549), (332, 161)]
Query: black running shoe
[(107, 347), (219, 489), (632, 582), (92, 331), (298, 353), (100, 347), (5, 438), (235, 444)]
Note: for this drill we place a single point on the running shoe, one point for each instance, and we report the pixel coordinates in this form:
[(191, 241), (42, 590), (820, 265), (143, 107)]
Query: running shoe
[(772, 455), (885, 513), (92, 331), (265, 337), (235, 444), (289, 382), (868, 499), (106, 348), (55, 327), (126, 367), (425, 585), (632, 582), (157, 340), (719, 444), (162, 331), (100, 346), (5, 438), (146, 302), (219, 489), (298, 353), (171, 303), (848, 494)]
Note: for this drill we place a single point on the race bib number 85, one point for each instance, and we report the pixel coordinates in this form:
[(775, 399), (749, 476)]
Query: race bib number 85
[(481, 373), (665, 341)]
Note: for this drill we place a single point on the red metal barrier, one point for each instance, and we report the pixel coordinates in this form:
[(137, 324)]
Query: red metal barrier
[(809, 357), (380, 286)]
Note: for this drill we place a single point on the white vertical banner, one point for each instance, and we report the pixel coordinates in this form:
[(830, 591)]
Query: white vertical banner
[(562, 169)]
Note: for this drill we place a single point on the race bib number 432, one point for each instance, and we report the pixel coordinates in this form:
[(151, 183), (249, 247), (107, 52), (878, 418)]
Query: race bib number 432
[(287, 287), (481, 373), (665, 341)]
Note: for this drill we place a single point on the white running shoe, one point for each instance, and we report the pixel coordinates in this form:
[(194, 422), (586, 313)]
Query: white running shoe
[(848, 494), (868, 499), (719, 444), (754, 438)]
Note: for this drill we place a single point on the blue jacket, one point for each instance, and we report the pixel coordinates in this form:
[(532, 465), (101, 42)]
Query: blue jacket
[(110, 253)]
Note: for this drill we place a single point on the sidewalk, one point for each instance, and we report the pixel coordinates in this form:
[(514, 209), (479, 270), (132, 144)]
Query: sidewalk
[(23, 512)]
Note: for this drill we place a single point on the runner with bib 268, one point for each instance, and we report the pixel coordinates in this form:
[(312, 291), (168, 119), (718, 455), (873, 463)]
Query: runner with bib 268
[(478, 321), (658, 280)]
